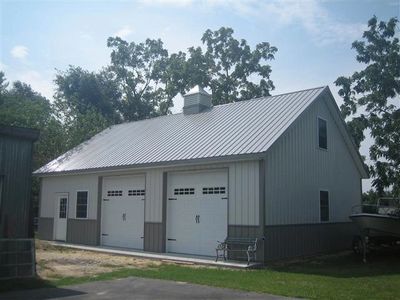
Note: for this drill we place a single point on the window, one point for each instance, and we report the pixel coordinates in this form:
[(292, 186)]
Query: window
[(324, 206), (184, 191), (136, 193), (81, 205), (114, 193), (322, 134), (214, 190), (63, 208)]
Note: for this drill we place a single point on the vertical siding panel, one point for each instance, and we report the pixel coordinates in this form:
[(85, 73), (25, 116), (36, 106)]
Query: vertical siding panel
[(153, 196), (231, 196), (245, 201), (297, 169)]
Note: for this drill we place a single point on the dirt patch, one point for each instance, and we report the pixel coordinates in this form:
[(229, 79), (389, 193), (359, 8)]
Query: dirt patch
[(53, 262)]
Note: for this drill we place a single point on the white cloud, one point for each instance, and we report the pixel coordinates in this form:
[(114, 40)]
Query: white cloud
[(309, 14), (124, 32), (19, 52), (86, 36), (39, 83), (168, 2), (3, 67)]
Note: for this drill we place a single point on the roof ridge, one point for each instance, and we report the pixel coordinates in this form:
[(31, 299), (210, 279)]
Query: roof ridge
[(224, 104)]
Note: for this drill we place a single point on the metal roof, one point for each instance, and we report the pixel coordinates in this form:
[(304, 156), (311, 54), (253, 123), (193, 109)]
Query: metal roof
[(238, 128)]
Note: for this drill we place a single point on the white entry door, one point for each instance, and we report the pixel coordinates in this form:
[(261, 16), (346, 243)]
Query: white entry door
[(196, 211), (60, 220), (122, 217)]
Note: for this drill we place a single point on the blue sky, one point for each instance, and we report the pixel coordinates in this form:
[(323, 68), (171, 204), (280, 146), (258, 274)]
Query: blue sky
[(313, 37)]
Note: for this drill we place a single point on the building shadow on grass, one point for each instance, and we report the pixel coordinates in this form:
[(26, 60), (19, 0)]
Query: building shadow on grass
[(33, 289), (383, 261)]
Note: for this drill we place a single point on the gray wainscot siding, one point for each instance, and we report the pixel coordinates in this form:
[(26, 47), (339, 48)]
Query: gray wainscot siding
[(288, 241), (153, 237), (81, 231), (243, 231), (45, 228)]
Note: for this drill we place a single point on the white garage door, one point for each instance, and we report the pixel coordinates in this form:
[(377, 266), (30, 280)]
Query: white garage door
[(196, 211), (123, 211)]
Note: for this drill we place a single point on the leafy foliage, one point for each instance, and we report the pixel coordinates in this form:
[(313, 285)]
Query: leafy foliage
[(21, 106), (147, 76), (371, 96), (79, 91), (86, 102), (230, 67)]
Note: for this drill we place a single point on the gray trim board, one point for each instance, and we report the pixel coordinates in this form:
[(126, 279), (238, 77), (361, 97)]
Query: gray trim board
[(99, 207), (82, 231), (45, 228), (288, 241), (261, 208), (153, 240), (164, 212)]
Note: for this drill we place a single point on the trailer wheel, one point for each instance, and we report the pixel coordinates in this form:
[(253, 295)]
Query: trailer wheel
[(358, 245)]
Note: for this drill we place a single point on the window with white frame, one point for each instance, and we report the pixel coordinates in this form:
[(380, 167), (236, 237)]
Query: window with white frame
[(82, 205), (322, 134), (324, 206)]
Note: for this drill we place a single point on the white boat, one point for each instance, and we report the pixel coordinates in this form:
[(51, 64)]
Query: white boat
[(378, 224)]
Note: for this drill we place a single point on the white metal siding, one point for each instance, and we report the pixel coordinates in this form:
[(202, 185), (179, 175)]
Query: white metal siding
[(68, 184), (244, 193), (296, 170), (154, 194)]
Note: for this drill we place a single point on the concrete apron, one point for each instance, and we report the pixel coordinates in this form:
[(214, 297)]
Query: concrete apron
[(168, 257)]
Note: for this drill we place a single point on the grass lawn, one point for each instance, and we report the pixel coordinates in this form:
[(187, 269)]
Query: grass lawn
[(330, 277)]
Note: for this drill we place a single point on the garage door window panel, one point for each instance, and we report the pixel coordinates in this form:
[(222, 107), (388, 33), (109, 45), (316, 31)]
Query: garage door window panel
[(82, 204), (214, 190), (184, 191), (136, 192), (116, 193)]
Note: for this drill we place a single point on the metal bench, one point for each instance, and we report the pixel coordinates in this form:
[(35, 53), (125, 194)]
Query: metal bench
[(234, 245)]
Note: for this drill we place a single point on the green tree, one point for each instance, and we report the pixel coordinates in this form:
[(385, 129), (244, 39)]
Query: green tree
[(79, 92), (21, 106), (230, 67), (148, 77), (371, 97), (3, 84)]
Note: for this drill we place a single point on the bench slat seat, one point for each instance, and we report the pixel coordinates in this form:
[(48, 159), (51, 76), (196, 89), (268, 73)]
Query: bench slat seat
[(233, 244)]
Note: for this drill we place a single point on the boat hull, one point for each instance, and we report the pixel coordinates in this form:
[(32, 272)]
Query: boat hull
[(373, 224)]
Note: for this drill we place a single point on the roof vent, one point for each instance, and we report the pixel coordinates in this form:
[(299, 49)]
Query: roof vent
[(196, 100)]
